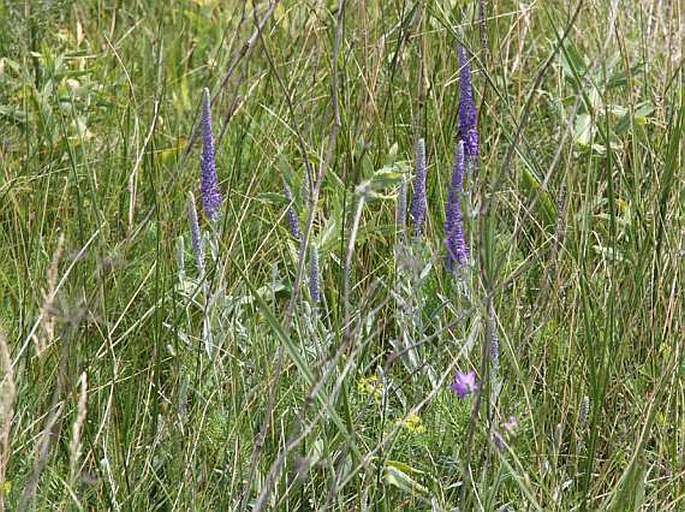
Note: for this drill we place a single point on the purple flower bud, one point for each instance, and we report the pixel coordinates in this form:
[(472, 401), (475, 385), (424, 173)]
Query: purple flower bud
[(211, 197), (418, 202), (498, 440), (195, 234), (457, 252), (464, 384), (511, 426), (468, 130), (293, 219)]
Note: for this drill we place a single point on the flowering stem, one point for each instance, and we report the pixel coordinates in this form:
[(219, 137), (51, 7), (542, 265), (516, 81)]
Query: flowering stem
[(481, 391), (418, 203), (349, 252)]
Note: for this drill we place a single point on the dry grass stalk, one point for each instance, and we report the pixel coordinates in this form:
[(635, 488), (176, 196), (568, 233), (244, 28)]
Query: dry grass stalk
[(8, 394), (77, 429), (48, 310)]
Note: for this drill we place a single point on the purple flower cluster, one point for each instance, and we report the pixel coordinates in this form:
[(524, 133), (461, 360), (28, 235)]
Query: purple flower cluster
[(211, 197), (468, 131), (418, 202), (457, 251)]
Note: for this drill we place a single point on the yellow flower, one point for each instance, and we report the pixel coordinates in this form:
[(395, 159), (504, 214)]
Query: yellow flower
[(370, 386), (413, 424)]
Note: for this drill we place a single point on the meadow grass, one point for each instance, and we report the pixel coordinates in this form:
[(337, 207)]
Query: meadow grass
[(137, 378)]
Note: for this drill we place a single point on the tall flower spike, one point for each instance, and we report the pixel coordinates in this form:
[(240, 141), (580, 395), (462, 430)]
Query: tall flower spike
[(293, 219), (457, 252), (418, 201), (314, 280), (468, 130), (211, 197), (195, 234)]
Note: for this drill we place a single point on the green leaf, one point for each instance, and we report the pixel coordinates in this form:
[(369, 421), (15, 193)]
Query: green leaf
[(397, 475)]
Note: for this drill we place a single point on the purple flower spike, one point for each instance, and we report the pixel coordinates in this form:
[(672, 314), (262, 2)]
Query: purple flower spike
[(464, 384), (457, 252), (468, 131), (314, 280), (211, 198), (293, 219), (418, 202)]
